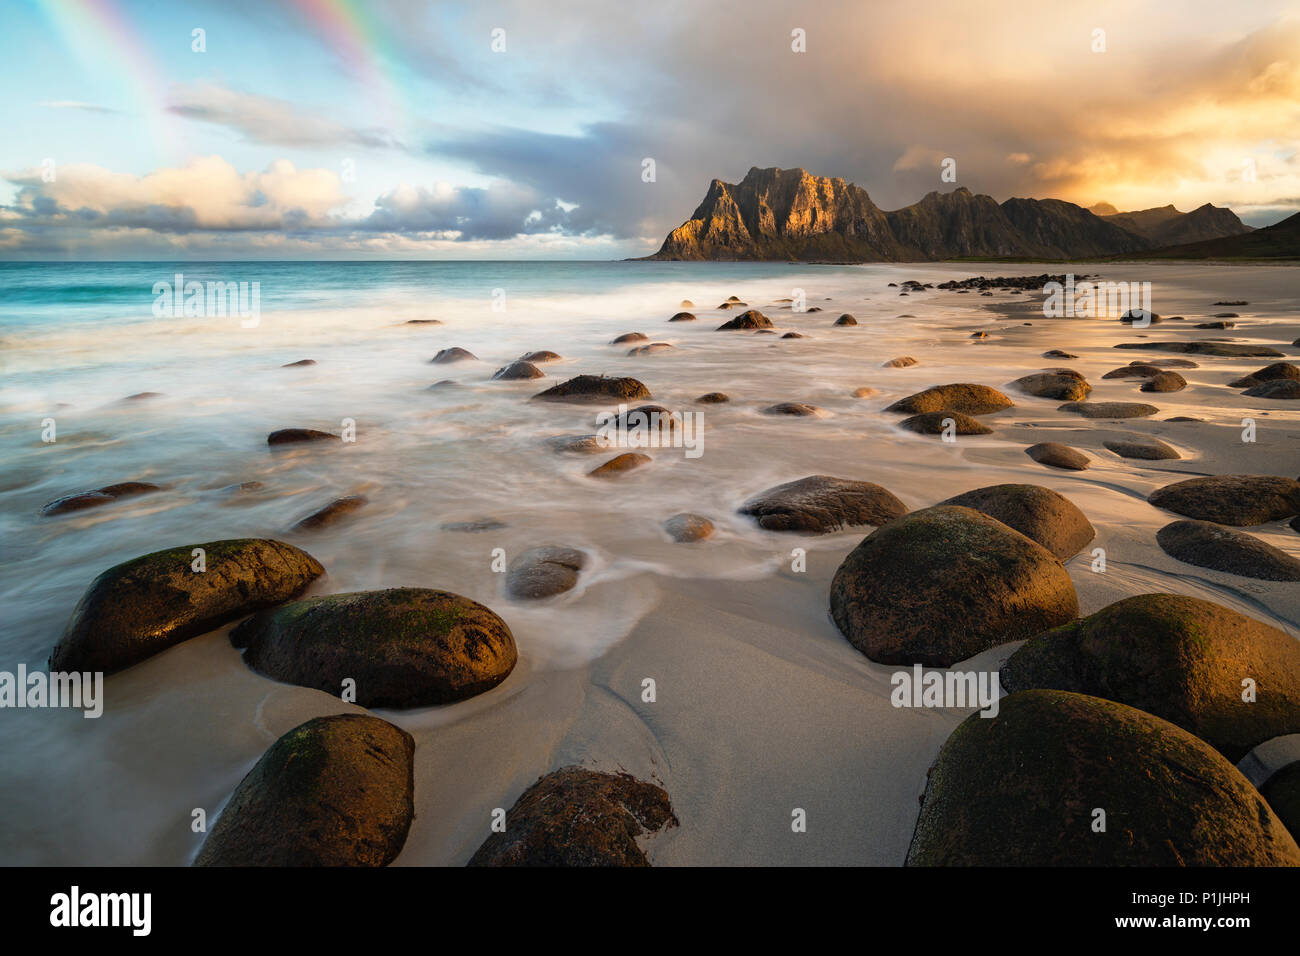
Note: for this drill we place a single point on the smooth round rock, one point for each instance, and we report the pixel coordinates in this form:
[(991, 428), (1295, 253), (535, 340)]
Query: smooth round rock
[(685, 527), (1209, 545), (936, 423), (846, 319), (295, 436), (1109, 409), (1038, 513), (333, 512), (1020, 789), (903, 361), (335, 791), (1053, 385), (518, 370), (939, 585), (541, 357), (1231, 499), (619, 465), (682, 317), (1058, 456), (1281, 390), (796, 409), (627, 337), (404, 647), (1147, 449), (457, 354), (1164, 381), (965, 398), (1180, 658), (544, 572), (713, 398), (820, 504), (145, 605)]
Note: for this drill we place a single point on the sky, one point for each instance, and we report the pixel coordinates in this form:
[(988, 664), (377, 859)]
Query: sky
[(353, 129)]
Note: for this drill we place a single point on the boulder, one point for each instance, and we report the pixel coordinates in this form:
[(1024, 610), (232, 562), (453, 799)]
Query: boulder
[(100, 496), (1146, 449), (1140, 317), (1038, 513), (544, 572), (903, 361), (651, 349), (1231, 499), (1059, 353), (619, 464), (1109, 409), (1278, 390), (295, 436), (335, 791), (594, 388), (579, 817), (1269, 373), (1058, 456), (685, 527), (404, 647), (934, 423), (334, 511), (846, 319), (820, 504), (939, 585), (797, 409), (864, 391), (682, 317), (541, 357), (518, 370), (713, 398), (964, 398), (630, 337), (1224, 349), (1134, 370), (1020, 789), (1180, 658), (752, 319), (1209, 545), (1164, 381), (145, 605), (1282, 791), (453, 355), (1057, 385)]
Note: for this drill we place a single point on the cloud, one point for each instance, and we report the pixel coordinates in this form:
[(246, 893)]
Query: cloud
[(265, 119), (208, 193), (501, 211)]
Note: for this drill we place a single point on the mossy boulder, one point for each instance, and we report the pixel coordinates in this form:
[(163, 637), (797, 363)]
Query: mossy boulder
[(143, 606), (820, 504), (404, 647), (1231, 499), (961, 397), (335, 791), (1038, 513), (939, 585), (1209, 545), (594, 388), (579, 817), (1023, 788), (1180, 658)]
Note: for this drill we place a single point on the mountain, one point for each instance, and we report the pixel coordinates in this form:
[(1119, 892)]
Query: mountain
[(1166, 226), (790, 214), (784, 214), (1278, 241)]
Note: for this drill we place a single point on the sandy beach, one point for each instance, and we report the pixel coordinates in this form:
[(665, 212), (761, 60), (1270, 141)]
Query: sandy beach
[(762, 706)]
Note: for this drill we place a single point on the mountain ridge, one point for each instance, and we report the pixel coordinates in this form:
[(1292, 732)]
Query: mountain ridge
[(792, 215)]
